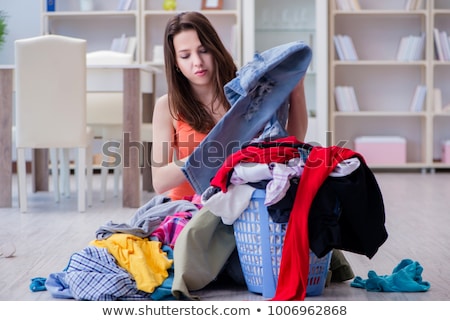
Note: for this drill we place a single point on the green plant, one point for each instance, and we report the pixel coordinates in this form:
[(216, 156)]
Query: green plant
[(3, 27)]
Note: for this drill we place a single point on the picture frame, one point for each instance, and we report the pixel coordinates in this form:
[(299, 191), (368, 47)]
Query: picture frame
[(212, 4)]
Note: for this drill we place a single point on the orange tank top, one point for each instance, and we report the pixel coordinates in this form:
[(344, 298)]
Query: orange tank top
[(186, 140)]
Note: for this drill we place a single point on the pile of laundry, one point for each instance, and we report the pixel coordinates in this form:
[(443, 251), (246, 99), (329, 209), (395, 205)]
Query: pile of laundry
[(126, 261)]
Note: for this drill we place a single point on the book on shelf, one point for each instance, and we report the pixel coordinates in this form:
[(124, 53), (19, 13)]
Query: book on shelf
[(348, 5), (443, 38), (438, 45), (124, 5), (420, 50), (124, 44), (50, 5), (437, 100), (419, 4), (355, 5), (353, 100), (345, 47), (338, 46), (411, 48), (411, 5), (349, 48), (402, 48), (131, 46), (341, 103), (346, 100), (418, 99)]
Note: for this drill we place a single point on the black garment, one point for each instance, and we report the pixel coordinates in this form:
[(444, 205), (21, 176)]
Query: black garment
[(280, 211), (360, 227), (323, 222)]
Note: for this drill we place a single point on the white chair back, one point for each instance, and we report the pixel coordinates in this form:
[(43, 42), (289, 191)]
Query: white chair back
[(51, 92), (106, 108)]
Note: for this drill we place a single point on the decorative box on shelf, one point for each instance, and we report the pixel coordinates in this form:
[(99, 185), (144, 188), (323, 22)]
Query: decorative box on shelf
[(378, 150), (445, 152)]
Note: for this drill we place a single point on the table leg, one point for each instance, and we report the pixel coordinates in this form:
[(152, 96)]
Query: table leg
[(132, 146), (6, 108), (40, 170), (147, 181)]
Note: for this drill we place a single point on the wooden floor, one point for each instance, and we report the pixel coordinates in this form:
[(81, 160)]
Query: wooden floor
[(418, 223)]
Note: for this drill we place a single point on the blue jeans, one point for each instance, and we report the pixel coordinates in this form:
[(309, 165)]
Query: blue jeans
[(259, 98)]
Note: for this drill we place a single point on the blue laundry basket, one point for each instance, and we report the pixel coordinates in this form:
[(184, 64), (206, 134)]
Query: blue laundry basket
[(259, 243)]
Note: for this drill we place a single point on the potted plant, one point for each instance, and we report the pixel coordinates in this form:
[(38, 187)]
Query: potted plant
[(3, 29)]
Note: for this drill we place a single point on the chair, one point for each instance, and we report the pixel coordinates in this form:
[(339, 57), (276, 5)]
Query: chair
[(51, 107), (105, 115)]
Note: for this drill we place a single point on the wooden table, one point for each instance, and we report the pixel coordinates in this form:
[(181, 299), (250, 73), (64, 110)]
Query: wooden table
[(133, 77)]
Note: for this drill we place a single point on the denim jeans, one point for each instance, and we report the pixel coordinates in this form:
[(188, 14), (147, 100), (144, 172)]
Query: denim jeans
[(259, 96)]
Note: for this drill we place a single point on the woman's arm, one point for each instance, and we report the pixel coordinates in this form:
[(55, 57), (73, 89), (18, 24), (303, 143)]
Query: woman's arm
[(166, 172), (298, 114)]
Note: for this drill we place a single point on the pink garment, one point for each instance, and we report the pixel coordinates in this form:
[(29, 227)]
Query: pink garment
[(282, 174), (169, 229)]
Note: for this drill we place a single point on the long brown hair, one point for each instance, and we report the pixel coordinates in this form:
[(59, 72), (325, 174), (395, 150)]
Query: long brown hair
[(182, 103)]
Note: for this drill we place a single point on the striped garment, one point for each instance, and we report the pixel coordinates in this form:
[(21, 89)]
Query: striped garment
[(169, 229), (93, 274)]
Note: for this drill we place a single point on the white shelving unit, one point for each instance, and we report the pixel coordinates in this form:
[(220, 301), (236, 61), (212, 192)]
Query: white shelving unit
[(270, 23), (99, 25), (440, 119), (384, 85)]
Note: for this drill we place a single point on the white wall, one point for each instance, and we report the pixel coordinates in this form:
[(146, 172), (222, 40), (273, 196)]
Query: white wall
[(23, 22)]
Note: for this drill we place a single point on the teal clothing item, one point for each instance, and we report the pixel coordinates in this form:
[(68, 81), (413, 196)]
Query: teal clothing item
[(38, 284), (406, 277)]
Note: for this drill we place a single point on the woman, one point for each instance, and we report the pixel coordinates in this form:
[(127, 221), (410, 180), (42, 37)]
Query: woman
[(197, 67)]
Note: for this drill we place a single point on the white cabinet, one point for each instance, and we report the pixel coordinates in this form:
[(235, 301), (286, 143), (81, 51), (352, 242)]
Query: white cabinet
[(384, 82), (269, 23)]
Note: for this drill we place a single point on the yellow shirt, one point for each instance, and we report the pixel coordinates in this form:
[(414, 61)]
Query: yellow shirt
[(142, 258)]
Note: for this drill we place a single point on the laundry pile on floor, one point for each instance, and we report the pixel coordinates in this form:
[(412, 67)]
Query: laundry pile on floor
[(126, 261)]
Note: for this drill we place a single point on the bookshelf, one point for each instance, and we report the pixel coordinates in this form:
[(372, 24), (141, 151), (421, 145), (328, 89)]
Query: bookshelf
[(390, 85), (270, 23), (440, 100), (97, 21)]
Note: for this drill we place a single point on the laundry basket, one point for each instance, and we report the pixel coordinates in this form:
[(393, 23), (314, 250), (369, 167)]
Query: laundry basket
[(259, 243)]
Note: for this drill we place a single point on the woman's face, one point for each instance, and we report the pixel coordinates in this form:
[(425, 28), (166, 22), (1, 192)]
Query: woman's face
[(193, 60)]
